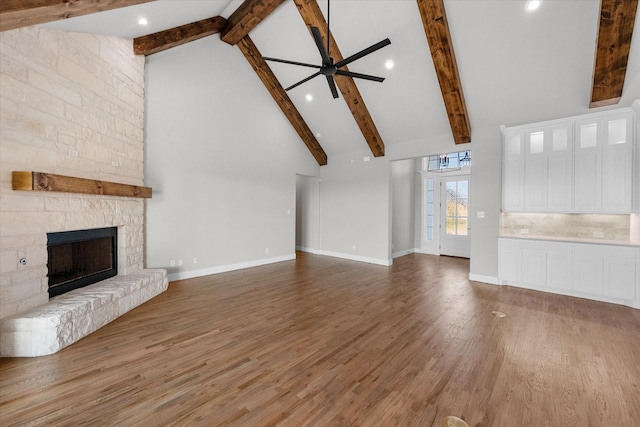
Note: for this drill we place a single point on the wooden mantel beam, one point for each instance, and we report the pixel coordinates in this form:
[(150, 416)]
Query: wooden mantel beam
[(617, 19), (259, 65), (40, 181), (162, 40), (246, 18), (436, 28), (313, 17), (23, 13)]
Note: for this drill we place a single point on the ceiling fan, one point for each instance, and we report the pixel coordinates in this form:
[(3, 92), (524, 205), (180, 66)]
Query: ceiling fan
[(328, 67)]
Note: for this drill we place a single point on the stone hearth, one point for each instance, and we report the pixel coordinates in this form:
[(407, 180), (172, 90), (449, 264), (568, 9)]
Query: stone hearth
[(69, 317)]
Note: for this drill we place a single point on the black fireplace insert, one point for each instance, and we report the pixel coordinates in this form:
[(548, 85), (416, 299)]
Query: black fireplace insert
[(81, 258)]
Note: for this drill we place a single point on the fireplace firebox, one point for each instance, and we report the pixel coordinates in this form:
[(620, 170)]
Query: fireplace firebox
[(80, 258)]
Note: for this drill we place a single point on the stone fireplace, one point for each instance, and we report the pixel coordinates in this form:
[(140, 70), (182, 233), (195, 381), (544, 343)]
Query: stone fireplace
[(71, 104)]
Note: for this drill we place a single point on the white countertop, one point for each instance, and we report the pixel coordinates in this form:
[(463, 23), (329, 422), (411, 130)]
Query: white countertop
[(569, 240)]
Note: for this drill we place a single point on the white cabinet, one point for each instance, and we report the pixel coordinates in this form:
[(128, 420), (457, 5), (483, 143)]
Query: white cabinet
[(513, 172), (510, 260), (619, 273), (560, 266), (534, 263), (604, 164), (537, 168), (601, 272), (587, 269), (579, 165)]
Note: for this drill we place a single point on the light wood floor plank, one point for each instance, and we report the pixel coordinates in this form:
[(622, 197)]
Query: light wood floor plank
[(328, 342)]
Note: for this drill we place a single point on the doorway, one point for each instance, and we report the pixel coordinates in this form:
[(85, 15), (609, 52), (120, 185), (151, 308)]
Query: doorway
[(454, 216), (307, 214)]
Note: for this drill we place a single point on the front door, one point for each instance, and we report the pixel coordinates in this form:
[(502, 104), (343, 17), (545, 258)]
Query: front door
[(454, 217)]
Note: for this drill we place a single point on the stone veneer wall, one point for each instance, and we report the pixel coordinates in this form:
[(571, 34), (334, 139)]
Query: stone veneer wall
[(70, 104), (573, 226)]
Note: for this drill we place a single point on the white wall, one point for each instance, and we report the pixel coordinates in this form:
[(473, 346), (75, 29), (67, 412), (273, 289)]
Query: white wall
[(355, 208), (486, 196), (403, 201), (222, 160)]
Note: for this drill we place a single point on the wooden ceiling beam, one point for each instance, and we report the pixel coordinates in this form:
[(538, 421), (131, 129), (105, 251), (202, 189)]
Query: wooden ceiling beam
[(23, 13), (617, 19), (313, 17), (248, 15), (260, 66), (163, 40), (436, 28)]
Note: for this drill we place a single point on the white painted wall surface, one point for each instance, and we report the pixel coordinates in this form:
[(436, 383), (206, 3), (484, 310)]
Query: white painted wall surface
[(403, 182), (222, 160), (355, 208)]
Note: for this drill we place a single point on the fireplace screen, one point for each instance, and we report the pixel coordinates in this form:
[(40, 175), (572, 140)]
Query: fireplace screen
[(81, 258)]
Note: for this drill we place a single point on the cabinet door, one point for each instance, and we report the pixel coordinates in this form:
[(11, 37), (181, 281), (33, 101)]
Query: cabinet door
[(560, 267), (587, 269), (535, 179), (588, 181), (534, 267), (620, 272), (512, 185), (510, 261), (617, 180), (560, 183)]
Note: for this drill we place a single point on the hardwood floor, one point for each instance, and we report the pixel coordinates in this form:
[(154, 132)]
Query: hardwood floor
[(328, 342)]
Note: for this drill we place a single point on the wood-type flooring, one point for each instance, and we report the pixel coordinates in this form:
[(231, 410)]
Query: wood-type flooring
[(321, 341)]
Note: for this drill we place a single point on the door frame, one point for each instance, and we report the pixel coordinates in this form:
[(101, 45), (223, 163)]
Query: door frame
[(432, 247)]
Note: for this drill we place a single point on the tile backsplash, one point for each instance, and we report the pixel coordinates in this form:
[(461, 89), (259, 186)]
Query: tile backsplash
[(572, 226)]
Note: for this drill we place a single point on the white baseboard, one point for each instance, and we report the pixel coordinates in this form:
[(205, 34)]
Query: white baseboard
[(384, 262), (309, 250), (425, 252), (402, 253), (182, 275), (484, 279)]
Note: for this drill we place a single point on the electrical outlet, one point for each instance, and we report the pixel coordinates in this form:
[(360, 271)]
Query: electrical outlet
[(353, 248), (480, 214), (179, 262), (524, 231), (266, 251), (73, 152), (172, 263), (195, 260)]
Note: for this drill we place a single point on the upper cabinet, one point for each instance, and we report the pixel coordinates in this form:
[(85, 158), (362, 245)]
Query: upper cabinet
[(578, 165)]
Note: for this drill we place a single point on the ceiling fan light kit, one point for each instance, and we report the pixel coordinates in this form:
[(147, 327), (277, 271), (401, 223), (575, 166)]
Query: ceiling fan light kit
[(328, 67)]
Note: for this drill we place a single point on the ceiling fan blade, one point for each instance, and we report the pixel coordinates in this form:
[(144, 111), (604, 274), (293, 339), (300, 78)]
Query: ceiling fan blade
[(303, 81), (360, 76), (332, 86), (365, 52), (284, 61), (318, 39)]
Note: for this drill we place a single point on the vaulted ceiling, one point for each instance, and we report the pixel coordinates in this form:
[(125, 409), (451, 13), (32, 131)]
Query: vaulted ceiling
[(458, 65)]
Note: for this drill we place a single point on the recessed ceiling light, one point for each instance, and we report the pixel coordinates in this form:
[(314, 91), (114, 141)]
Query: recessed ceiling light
[(389, 64), (532, 5), (309, 97), (143, 21)]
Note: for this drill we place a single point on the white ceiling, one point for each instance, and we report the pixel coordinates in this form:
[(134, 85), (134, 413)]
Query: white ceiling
[(515, 66)]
